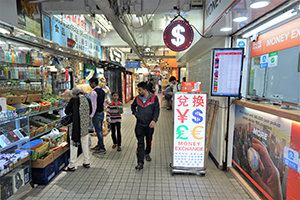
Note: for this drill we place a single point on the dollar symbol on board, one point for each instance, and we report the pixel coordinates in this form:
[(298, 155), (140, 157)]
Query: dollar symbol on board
[(197, 114), (179, 37)]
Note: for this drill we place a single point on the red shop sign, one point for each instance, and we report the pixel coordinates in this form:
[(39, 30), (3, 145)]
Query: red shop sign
[(157, 73), (178, 35)]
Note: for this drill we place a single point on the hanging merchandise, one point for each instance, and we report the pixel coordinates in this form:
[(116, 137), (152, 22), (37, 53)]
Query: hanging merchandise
[(89, 70)]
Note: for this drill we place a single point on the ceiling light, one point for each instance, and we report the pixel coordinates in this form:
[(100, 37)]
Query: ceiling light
[(259, 4), (24, 48), (274, 21), (240, 19), (4, 31), (226, 29)]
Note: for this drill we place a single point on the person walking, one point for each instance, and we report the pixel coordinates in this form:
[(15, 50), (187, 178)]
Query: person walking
[(151, 86), (97, 116), (159, 86), (145, 108), (80, 107), (113, 115)]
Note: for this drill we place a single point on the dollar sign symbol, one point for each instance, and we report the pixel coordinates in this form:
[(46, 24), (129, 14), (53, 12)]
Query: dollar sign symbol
[(197, 114), (179, 37)]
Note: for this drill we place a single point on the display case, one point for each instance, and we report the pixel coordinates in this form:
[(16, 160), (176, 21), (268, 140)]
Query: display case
[(15, 159), (14, 162)]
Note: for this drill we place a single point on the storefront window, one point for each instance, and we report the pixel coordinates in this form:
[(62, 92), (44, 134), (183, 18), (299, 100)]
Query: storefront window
[(274, 70)]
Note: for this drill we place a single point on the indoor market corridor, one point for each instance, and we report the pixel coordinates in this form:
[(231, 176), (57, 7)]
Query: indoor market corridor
[(113, 175)]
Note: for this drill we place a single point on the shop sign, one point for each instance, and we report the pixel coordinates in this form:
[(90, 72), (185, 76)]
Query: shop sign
[(264, 61), (71, 26), (191, 86), (33, 26), (178, 35), (189, 129), (214, 10), (273, 59), (283, 37), (264, 141), (141, 71), (157, 73), (47, 27), (133, 64)]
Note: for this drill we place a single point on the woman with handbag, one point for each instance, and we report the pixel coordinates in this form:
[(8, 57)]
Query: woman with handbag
[(78, 112)]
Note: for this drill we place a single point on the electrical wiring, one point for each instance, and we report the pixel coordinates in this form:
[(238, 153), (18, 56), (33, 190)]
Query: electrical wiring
[(148, 19)]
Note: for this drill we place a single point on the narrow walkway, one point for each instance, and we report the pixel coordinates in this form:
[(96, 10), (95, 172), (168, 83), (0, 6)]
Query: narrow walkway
[(113, 175)]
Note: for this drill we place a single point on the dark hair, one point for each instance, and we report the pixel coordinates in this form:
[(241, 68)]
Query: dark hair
[(184, 79), (172, 78), (143, 85), (112, 94), (151, 79), (94, 80)]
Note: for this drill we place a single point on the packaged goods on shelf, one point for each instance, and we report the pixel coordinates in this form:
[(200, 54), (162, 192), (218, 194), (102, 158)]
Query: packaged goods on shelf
[(37, 151), (32, 107), (9, 161), (21, 109), (55, 139)]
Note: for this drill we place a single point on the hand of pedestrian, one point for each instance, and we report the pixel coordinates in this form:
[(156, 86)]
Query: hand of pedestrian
[(170, 93), (152, 124), (270, 180), (108, 120), (90, 120)]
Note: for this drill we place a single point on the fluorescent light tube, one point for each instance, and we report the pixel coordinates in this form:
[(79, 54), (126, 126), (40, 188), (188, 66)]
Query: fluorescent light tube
[(274, 21)]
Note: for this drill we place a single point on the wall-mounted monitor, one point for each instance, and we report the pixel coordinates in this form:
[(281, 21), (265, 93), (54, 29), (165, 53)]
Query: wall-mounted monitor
[(227, 64)]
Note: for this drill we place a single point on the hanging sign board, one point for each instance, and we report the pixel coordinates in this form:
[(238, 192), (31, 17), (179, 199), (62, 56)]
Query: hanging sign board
[(178, 35), (189, 130), (191, 87)]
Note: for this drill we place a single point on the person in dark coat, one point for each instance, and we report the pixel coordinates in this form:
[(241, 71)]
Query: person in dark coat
[(145, 108), (80, 107)]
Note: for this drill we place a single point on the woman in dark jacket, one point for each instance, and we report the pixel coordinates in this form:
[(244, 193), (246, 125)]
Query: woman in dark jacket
[(80, 107)]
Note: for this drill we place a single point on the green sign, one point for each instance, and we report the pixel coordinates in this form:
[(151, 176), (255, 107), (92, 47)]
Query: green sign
[(33, 26), (273, 59)]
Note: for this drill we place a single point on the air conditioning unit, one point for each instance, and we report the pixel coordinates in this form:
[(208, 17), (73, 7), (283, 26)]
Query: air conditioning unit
[(196, 3)]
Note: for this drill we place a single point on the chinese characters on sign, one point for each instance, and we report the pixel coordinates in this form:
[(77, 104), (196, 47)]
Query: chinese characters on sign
[(69, 28), (189, 129)]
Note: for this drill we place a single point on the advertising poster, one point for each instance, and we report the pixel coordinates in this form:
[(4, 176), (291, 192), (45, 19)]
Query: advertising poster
[(71, 31), (189, 130), (266, 150), (29, 16)]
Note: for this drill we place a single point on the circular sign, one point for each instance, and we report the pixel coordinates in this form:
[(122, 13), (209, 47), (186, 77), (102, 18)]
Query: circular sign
[(178, 35)]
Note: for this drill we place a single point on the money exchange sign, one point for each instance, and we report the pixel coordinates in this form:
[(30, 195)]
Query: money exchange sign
[(189, 129)]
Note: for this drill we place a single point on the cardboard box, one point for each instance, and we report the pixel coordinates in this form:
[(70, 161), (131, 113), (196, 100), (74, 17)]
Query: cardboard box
[(31, 96), (39, 128), (42, 163), (60, 151), (21, 161), (43, 108), (15, 100)]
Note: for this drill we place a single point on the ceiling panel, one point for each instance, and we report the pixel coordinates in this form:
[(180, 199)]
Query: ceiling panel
[(242, 9)]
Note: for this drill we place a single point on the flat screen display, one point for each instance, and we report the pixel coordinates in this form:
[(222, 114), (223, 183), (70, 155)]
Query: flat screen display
[(226, 72)]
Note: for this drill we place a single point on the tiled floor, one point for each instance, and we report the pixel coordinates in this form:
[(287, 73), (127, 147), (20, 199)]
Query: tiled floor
[(113, 176)]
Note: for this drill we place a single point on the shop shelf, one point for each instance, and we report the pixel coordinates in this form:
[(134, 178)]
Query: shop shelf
[(44, 175), (60, 163), (24, 140)]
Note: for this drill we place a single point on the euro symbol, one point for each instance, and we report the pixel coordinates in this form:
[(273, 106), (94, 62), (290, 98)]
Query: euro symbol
[(181, 132), (195, 132)]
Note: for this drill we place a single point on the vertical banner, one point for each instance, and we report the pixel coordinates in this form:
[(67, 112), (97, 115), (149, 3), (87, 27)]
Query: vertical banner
[(266, 150), (189, 130)]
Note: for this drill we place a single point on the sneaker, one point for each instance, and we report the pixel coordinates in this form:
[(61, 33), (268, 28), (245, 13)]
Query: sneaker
[(148, 158), (100, 151), (139, 166), (95, 148)]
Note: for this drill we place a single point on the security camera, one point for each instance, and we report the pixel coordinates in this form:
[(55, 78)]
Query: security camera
[(253, 38)]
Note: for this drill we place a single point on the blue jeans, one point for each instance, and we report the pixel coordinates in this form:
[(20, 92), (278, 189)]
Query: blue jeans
[(98, 124)]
